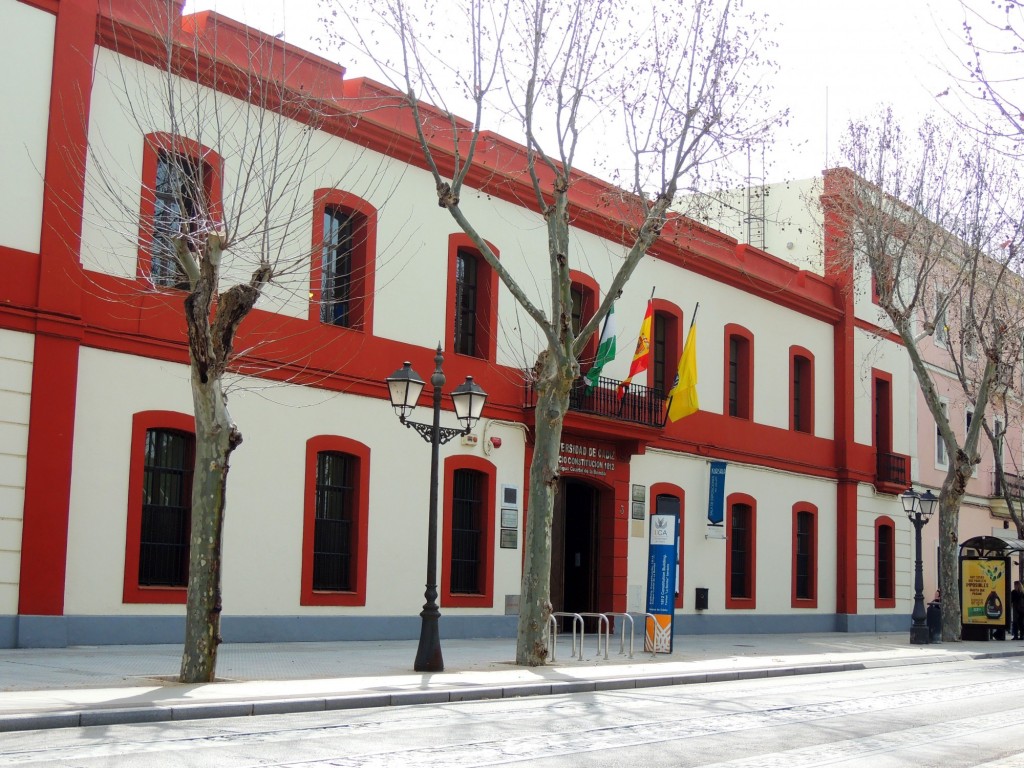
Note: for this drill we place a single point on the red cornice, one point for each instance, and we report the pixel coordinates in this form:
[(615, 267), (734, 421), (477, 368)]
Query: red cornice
[(371, 115)]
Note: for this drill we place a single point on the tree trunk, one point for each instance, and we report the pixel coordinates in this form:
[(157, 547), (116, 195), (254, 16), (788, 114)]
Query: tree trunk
[(216, 438), (553, 383), (949, 539)]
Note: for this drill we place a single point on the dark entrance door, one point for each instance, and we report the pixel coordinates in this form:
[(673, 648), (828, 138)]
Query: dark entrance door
[(574, 551)]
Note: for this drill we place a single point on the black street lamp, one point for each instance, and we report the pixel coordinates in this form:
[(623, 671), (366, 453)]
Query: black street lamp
[(404, 387), (919, 508)]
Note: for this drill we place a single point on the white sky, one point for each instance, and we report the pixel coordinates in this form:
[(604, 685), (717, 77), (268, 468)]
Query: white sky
[(862, 53)]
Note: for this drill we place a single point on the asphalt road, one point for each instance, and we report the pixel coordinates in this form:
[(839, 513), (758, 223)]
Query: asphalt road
[(949, 715)]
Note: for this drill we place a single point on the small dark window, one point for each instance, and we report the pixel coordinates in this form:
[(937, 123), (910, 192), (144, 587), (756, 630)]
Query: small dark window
[(804, 556), (332, 534), (660, 352), (179, 211), (802, 383), (467, 531), (884, 563), (466, 290), (740, 548), (166, 508), (739, 377), (337, 281)]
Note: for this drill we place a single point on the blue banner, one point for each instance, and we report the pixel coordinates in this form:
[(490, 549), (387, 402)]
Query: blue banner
[(716, 493), (661, 581)]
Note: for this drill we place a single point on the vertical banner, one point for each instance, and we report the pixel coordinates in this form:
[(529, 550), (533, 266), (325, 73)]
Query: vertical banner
[(716, 493), (661, 582)]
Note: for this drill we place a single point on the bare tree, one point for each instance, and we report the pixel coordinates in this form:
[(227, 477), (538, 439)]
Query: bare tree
[(937, 221), (990, 72), (230, 118), (655, 96)]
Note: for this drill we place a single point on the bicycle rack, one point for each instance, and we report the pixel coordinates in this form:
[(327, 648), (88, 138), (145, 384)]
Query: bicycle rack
[(622, 633), (577, 620), (602, 622)]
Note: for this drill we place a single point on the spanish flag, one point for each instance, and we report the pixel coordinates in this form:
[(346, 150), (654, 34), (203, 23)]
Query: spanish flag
[(642, 355), (683, 396)]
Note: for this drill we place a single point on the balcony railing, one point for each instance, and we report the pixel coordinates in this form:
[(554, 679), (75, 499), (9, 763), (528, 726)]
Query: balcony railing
[(1014, 483), (891, 469), (639, 404)]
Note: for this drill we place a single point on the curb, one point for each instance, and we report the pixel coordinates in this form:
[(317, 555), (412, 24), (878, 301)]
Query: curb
[(282, 706), (156, 713)]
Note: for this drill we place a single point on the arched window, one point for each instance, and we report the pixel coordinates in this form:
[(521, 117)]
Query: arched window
[(741, 551), (342, 265), (739, 372), (805, 556), (335, 522), (472, 317), (667, 498), (801, 390), (158, 529), (666, 345), (885, 563), (467, 568), (181, 198), (583, 291)]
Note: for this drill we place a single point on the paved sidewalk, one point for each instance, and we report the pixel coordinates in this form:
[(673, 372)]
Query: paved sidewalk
[(54, 688)]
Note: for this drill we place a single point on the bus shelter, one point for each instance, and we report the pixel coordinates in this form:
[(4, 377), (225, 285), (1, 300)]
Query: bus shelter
[(985, 580)]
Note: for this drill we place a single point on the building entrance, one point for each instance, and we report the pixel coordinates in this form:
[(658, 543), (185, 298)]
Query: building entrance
[(574, 548)]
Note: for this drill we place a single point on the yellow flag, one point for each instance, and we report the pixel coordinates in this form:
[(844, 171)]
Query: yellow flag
[(683, 396)]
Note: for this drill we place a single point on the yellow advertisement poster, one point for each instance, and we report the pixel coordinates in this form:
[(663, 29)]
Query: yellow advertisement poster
[(983, 590)]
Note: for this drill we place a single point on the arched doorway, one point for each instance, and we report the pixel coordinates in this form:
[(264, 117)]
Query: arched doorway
[(575, 548)]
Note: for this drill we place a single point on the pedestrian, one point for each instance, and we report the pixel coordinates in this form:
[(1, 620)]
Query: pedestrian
[(1017, 603)]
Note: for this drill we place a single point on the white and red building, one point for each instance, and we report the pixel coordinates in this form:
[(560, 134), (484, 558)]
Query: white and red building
[(812, 410)]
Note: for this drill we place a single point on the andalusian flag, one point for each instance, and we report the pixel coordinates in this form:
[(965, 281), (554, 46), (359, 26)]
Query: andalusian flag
[(605, 350), (683, 395), (642, 355)]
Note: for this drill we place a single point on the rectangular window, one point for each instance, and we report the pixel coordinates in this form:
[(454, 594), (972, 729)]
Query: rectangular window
[(740, 375), (659, 344), (332, 534), (804, 556), (166, 508), (180, 203), (466, 287), (802, 399), (739, 544), (467, 529), (884, 563), (337, 267)]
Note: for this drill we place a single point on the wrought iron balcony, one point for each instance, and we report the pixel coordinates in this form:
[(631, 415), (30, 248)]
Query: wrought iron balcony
[(639, 404), (891, 470), (1014, 484)]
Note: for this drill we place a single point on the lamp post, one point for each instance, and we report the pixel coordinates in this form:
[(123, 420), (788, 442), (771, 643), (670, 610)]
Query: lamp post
[(404, 387), (919, 508)]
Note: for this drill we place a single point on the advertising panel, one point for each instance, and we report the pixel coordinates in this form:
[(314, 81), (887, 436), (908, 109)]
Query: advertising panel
[(984, 591)]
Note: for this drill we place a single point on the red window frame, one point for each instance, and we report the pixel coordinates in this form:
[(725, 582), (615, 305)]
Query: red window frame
[(153, 144), (801, 358), (364, 251), (750, 600), (744, 372), (881, 601), (485, 599), (670, 489), (804, 508), (487, 298), (672, 317), (361, 506), (142, 422), (589, 292)]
